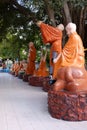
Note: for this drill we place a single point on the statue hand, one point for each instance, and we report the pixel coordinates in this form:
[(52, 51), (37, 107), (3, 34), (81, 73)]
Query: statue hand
[(39, 23), (55, 60)]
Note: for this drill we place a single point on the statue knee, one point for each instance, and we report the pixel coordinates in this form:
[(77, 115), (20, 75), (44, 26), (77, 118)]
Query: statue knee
[(59, 85), (71, 86)]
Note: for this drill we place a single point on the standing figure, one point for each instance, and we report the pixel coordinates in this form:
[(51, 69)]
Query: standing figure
[(31, 59), (52, 35)]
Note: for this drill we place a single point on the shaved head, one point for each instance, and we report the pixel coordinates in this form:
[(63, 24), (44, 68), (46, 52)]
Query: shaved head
[(61, 27), (31, 44), (70, 28)]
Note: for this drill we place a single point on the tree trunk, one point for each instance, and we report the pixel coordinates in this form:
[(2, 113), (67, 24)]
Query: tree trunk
[(50, 12), (81, 23), (67, 13)]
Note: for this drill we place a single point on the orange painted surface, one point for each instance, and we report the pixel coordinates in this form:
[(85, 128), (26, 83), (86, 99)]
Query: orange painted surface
[(31, 61), (53, 36), (18, 68), (72, 54), (42, 70)]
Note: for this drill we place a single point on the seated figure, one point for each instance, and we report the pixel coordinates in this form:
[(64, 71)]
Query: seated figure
[(23, 68), (31, 59), (42, 71), (13, 68), (70, 72), (18, 67)]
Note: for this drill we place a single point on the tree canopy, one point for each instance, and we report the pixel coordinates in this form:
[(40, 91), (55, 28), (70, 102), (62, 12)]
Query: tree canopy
[(18, 18)]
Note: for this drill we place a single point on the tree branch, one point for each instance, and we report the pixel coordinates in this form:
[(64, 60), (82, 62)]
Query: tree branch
[(67, 12), (28, 13), (50, 11)]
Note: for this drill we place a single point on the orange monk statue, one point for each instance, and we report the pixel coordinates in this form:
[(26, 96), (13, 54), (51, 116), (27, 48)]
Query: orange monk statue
[(31, 59), (52, 35), (70, 73), (42, 71), (18, 67), (13, 68)]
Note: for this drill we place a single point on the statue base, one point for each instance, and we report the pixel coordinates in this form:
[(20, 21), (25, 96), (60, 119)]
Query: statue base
[(68, 106), (46, 85), (20, 76), (13, 73), (36, 81), (25, 78)]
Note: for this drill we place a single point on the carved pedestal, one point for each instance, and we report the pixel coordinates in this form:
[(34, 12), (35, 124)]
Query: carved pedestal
[(13, 73), (68, 106), (25, 77), (36, 81), (46, 85), (20, 76)]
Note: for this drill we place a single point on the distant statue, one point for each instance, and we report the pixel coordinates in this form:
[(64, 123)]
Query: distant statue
[(42, 71), (70, 72), (31, 59), (3, 65)]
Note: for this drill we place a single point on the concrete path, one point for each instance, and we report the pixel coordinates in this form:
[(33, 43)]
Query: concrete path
[(23, 107)]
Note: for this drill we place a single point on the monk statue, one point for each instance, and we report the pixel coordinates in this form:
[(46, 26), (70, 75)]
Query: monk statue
[(52, 35), (69, 72), (19, 66), (42, 71), (31, 59)]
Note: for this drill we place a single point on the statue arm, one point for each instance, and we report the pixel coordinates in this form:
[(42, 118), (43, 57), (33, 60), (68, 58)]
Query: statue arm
[(57, 58)]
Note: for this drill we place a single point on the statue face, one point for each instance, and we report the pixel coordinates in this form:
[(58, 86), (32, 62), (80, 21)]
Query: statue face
[(68, 31), (30, 44)]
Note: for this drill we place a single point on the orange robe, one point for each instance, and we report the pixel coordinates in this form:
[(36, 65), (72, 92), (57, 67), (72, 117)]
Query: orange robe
[(42, 70), (18, 68), (53, 36), (14, 67), (31, 61), (72, 54)]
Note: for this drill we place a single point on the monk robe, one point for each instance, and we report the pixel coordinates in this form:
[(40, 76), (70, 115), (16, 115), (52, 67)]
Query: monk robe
[(31, 61), (24, 66), (13, 68), (42, 70), (18, 68), (53, 36), (72, 54)]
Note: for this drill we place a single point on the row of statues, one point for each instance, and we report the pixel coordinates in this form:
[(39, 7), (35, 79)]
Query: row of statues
[(29, 68), (67, 94), (66, 64)]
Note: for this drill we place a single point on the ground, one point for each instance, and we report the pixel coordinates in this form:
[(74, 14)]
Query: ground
[(24, 107)]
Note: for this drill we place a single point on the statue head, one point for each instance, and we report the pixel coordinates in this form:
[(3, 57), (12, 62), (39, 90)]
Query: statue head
[(70, 28), (60, 27), (31, 44)]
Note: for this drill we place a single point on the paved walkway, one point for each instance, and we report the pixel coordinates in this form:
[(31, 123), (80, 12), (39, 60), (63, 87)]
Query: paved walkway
[(23, 107)]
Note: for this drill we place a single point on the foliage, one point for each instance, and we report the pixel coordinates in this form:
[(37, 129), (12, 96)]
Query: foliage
[(17, 26)]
